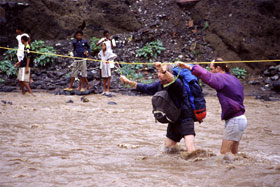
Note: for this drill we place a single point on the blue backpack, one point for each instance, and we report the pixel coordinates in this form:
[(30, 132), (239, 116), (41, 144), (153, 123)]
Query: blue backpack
[(196, 97)]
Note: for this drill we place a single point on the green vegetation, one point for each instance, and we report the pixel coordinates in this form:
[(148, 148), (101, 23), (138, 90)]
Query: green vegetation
[(150, 50), (1, 80), (93, 48), (42, 60), (8, 68), (133, 72), (206, 26), (240, 73), (11, 55)]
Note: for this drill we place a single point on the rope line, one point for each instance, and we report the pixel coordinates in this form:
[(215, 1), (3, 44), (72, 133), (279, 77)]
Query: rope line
[(141, 63)]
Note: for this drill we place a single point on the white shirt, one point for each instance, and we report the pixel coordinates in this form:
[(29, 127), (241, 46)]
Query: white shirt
[(107, 57), (108, 44), (20, 51)]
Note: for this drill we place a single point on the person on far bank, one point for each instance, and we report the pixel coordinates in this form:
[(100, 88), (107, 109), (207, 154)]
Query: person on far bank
[(110, 45), (24, 67), (105, 57), (81, 49), (231, 96), (182, 128), (20, 51)]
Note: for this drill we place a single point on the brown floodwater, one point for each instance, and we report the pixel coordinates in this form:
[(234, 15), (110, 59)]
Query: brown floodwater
[(45, 141)]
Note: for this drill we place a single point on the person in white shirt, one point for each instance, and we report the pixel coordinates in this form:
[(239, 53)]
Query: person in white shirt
[(20, 51), (110, 45), (105, 68)]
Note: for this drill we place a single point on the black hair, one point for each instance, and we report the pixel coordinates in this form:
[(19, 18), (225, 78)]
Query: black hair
[(223, 66), (25, 38), (79, 32), (20, 27), (105, 32)]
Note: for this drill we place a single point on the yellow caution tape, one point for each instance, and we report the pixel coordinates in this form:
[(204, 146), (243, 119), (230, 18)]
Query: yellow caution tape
[(138, 63)]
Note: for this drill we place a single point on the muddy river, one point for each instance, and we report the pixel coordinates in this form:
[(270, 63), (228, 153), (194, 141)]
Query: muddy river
[(45, 141)]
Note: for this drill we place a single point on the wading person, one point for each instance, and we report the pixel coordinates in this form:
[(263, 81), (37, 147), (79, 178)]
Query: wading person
[(24, 69), (81, 49), (231, 97), (184, 126), (20, 52)]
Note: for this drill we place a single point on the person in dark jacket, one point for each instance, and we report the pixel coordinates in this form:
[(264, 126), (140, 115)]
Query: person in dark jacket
[(231, 96), (81, 49), (184, 127)]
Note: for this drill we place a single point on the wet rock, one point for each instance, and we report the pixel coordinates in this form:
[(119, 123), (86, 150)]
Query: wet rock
[(3, 101), (70, 101), (271, 68), (50, 87), (112, 103), (267, 81), (8, 89), (84, 99), (10, 103), (266, 73), (275, 77), (255, 82), (276, 85)]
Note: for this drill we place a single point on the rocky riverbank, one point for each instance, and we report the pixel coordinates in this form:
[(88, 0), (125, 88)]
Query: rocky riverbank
[(185, 30)]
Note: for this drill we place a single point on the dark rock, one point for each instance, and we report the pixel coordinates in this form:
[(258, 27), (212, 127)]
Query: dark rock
[(266, 73), (59, 74), (271, 68), (10, 103), (82, 14), (112, 103), (247, 34), (255, 82), (276, 85), (50, 87), (273, 72), (90, 76), (267, 81), (275, 77), (8, 89), (70, 101), (3, 101), (84, 99)]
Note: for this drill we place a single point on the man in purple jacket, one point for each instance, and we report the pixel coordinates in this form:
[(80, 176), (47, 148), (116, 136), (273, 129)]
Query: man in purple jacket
[(231, 97)]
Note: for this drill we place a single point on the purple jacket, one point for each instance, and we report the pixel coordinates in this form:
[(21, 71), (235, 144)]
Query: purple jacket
[(229, 91)]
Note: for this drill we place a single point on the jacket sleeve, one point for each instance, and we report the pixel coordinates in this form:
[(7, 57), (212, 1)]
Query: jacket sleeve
[(214, 80), (150, 89)]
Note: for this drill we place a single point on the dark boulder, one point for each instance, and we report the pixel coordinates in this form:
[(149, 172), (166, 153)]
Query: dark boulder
[(276, 85), (8, 88)]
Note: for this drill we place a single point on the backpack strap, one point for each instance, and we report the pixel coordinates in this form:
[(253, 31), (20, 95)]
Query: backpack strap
[(168, 84)]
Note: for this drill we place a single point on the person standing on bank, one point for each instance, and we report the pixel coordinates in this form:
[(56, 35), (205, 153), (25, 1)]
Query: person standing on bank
[(110, 45), (182, 128), (231, 96), (81, 49)]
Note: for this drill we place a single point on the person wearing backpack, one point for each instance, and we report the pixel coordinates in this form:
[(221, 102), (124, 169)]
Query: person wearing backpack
[(196, 96), (183, 127), (231, 96)]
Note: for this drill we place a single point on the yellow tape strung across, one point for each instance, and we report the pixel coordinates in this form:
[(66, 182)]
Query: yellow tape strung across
[(148, 63)]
